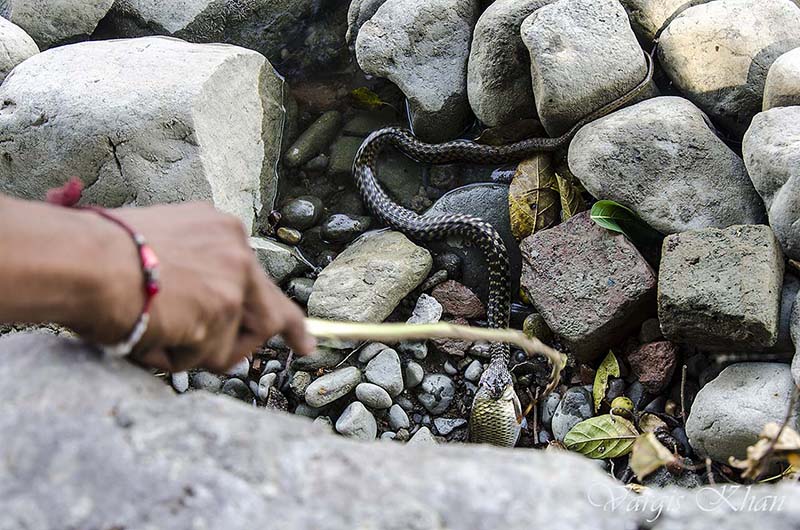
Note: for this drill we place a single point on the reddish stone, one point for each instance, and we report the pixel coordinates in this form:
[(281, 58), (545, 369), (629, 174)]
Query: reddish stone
[(653, 364), (458, 300), (453, 347)]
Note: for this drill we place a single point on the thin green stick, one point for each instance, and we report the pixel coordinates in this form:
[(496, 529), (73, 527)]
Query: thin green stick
[(343, 331)]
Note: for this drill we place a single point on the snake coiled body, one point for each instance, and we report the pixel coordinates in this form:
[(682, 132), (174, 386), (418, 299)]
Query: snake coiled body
[(496, 414)]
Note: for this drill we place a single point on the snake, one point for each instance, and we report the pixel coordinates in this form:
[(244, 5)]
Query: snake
[(496, 415)]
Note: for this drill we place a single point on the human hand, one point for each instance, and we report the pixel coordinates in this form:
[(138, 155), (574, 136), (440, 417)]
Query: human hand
[(216, 305)]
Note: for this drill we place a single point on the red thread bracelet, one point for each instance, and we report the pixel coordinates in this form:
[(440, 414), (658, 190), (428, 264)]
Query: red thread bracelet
[(68, 196)]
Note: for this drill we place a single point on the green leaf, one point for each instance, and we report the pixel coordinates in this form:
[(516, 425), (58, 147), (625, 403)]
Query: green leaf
[(648, 455), (367, 99), (603, 436), (608, 368), (616, 217)]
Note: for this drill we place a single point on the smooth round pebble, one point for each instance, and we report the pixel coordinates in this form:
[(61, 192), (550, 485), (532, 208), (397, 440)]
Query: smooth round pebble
[(180, 381), (445, 426), (238, 389), (324, 421), (301, 213), (303, 409), (373, 396), (300, 289), (332, 386), (357, 422), (398, 419), (240, 369), (299, 383), (388, 435), (575, 406), (289, 235), (414, 374), (549, 406), (385, 371), (265, 383), (369, 351), (450, 369), (437, 391), (206, 381), (423, 436), (272, 366), (474, 371)]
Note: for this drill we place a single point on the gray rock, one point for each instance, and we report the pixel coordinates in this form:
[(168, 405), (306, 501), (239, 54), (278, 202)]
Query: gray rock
[(574, 407), (589, 284), (782, 87), (685, 478), (206, 381), (321, 358), (238, 389), (388, 435), (272, 366), (241, 369), (300, 289), (314, 140), (266, 382), (324, 421), (791, 286), (415, 349), (474, 371), (373, 396), (450, 369), (436, 393), (343, 153), (279, 261), (302, 213), (357, 422), (145, 121), (445, 426), (490, 203), (367, 281), (357, 14), (303, 409), (414, 374), (385, 371), (398, 419), (660, 159), (499, 76), (422, 46), (299, 382), (770, 150), (648, 17), (369, 351), (278, 29), (138, 444), (794, 330), (343, 228), (583, 55), (180, 381), (332, 386), (423, 436), (17, 46), (650, 331), (729, 412), (719, 288), (54, 22), (426, 311), (718, 54), (549, 406)]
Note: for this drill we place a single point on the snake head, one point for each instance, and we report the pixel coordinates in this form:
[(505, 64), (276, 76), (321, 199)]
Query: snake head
[(496, 380)]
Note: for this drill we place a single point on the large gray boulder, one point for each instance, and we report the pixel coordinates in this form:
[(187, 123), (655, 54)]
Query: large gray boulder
[(771, 150), (721, 288), (660, 159), (54, 22), (583, 56), (422, 46), (144, 121), (17, 46), (110, 446), (499, 74), (718, 54), (648, 17), (729, 412), (782, 87), (367, 281), (591, 285)]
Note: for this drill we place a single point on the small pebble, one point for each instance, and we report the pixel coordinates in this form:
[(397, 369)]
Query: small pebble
[(240, 369), (321, 358), (480, 349), (423, 436), (637, 394), (575, 406), (325, 258), (206, 381), (265, 383), (342, 228), (450, 369), (373, 396), (404, 402), (388, 435), (450, 262), (549, 406), (180, 381), (289, 235), (314, 140), (369, 351), (616, 388), (238, 389), (324, 421), (657, 405), (299, 383), (385, 371), (474, 371), (300, 289), (445, 426), (398, 419), (403, 435), (303, 409), (332, 386), (545, 437), (416, 349), (437, 391), (318, 164), (272, 366), (414, 374), (301, 213), (357, 422)]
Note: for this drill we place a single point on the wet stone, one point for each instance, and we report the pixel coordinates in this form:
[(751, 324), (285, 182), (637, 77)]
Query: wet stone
[(302, 213), (314, 140), (343, 228), (238, 389), (300, 289), (321, 358), (289, 236)]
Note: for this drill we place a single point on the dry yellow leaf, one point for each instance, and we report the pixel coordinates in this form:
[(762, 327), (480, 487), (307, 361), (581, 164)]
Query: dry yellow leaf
[(648, 455), (533, 198), (569, 190), (759, 455)]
